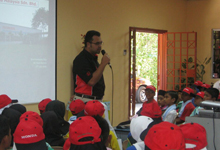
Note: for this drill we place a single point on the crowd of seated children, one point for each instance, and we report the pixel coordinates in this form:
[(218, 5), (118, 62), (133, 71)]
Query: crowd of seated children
[(96, 108), (187, 106), (160, 100), (170, 100), (5, 133), (138, 129), (152, 111), (148, 124)]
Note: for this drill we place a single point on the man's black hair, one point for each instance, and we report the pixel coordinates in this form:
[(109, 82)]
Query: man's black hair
[(173, 94), (4, 127), (213, 92), (89, 36)]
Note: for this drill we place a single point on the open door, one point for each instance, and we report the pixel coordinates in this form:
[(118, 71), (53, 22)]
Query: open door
[(180, 69)]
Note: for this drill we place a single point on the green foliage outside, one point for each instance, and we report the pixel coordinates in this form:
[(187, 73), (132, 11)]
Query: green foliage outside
[(146, 56)]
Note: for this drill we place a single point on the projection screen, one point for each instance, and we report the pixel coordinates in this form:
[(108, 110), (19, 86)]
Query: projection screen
[(28, 49)]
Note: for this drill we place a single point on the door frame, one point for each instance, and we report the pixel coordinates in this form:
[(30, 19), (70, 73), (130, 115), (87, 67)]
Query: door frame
[(161, 58)]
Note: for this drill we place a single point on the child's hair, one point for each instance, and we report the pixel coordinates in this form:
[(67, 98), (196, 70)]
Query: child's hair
[(161, 92), (173, 94), (4, 127), (104, 126), (213, 92)]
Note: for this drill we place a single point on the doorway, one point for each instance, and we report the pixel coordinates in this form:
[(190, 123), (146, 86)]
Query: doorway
[(145, 48), (176, 61)]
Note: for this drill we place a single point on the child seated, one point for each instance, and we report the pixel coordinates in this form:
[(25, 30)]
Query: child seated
[(205, 86), (85, 133), (42, 105), (195, 136), (187, 106), (179, 101), (150, 93), (197, 87), (198, 99), (29, 135), (170, 100), (76, 107), (5, 133), (51, 130), (164, 136), (160, 100), (211, 94), (139, 127)]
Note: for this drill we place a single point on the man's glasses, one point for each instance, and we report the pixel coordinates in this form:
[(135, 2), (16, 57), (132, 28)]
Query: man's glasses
[(97, 43)]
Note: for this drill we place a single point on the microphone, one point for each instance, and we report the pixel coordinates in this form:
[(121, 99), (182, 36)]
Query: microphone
[(103, 53)]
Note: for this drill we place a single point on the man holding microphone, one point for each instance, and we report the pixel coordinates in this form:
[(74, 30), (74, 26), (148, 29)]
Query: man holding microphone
[(87, 72)]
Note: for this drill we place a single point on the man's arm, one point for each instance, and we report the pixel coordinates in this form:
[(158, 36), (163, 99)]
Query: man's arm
[(96, 76)]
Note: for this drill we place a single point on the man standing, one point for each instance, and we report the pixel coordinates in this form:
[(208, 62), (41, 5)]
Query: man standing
[(87, 72)]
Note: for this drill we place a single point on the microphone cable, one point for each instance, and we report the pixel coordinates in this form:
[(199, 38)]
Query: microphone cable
[(112, 92)]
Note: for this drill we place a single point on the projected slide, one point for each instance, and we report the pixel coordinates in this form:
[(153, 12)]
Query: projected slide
[(28, 49)]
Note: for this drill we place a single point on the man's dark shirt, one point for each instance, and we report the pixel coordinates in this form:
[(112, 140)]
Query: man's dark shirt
[(84, 65)]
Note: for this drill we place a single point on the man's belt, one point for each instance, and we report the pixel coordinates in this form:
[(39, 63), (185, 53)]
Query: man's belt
[(88, 96)]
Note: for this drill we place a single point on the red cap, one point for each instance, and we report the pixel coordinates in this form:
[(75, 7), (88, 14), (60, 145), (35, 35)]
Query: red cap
[(82, 127), (151, 110), (206, 86), (93, 108), (165, 135), (219, 96), (200, 94), (28, 131), (31, 115), (76, 106), (67, 144), (198, 83), (151, 87), (42, 105), (4, 100), (195, 134), (188, 90)]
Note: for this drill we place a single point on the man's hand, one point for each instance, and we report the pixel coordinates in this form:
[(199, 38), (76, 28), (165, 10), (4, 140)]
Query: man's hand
[(105, 59)]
